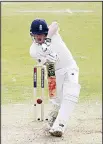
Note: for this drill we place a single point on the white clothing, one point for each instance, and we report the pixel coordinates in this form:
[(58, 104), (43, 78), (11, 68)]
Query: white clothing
[(68, 90), (57, 46), (67, 73)]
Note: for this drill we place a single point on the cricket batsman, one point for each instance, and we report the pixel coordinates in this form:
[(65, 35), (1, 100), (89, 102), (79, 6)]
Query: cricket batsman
[(47, 47)]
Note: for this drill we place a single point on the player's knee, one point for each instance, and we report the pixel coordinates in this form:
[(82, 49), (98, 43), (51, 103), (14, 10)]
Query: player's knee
[(71, 91)]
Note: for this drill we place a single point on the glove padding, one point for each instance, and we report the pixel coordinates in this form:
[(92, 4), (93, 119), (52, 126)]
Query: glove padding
[(46, 52), (46, 46), (51, 58)]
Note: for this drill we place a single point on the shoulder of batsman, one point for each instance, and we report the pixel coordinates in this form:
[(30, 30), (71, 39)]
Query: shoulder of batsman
[(53, 24)]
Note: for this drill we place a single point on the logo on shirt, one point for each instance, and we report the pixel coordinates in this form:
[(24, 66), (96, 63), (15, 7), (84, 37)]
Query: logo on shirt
[(40, 27)]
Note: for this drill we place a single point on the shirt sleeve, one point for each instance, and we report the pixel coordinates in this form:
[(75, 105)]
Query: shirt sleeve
[(32, 51)]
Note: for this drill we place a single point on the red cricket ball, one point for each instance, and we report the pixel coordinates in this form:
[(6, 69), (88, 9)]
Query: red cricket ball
[(39, 101)]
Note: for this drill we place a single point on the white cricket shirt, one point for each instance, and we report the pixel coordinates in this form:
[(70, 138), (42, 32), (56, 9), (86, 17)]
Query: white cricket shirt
[(65, 58)]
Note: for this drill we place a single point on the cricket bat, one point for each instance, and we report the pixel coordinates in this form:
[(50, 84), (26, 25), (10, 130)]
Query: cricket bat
[(51, 80)]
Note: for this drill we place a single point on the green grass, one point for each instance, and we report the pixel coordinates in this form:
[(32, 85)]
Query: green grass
[(82, 33)]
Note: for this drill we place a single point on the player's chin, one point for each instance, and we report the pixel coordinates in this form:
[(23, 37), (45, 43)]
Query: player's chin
[(40, 42)]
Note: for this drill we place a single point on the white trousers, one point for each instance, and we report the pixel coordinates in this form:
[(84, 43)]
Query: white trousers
[(65, 78), (68, 90)]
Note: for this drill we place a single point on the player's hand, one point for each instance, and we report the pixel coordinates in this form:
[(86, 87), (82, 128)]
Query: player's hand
[(46, 46), (52, 58)]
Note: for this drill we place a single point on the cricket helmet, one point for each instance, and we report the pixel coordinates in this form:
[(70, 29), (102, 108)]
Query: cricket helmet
[(39, 26)]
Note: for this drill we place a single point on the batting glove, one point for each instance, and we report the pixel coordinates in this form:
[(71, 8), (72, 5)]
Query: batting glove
[(52, 58)]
